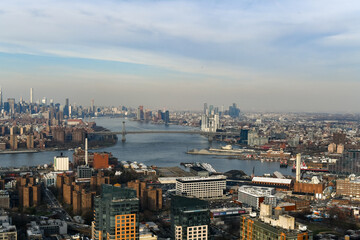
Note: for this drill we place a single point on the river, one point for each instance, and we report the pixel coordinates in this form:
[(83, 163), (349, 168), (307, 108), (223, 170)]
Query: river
[(152, 149)]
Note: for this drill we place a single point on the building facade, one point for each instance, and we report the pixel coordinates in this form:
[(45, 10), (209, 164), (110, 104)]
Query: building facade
[(201, 187), (7, 231), (116, 214), (253, 196), (348, 187), (190, 218), (61, 163), (270, 227)]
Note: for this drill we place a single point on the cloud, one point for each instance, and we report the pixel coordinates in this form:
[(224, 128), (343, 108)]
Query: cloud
[(250, 44)]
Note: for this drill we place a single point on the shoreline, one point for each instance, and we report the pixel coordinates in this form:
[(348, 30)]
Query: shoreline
[(50, 150)]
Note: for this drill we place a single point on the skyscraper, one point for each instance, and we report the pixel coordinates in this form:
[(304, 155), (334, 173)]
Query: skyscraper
[(11, 102), (92, 106), (140, 113), (66, 108), (190, 218), (234, 111), (31, 95), (1, 98), (167, 117), (205, 108), (116, 214)]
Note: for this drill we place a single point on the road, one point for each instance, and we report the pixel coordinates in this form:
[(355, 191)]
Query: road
[(54, 204)]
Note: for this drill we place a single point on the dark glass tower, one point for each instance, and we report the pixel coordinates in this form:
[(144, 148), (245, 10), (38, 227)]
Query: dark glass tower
[(190, 218), (116, 214)]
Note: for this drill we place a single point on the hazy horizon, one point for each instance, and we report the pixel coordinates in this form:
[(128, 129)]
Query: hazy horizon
[(272, 56)]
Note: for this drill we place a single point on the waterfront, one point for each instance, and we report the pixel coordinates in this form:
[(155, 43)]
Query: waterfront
[(152, 149)]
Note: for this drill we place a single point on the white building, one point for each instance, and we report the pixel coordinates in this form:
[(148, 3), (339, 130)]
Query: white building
[(254, 196), (201, 187), (47, 227), (61, 163), (255, 140), (199, 232), (7, 231), (210, 123)]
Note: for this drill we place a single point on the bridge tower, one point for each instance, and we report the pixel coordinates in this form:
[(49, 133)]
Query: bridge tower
[(123, 132)]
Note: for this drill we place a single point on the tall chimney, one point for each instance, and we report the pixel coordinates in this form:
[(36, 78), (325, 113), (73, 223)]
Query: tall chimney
[(298, 168), (86, 151)]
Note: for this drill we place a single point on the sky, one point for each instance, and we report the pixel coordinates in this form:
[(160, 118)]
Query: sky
[(264, 55)]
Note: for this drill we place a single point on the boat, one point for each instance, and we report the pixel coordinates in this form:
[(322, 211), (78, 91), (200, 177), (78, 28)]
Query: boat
[(283, 164), (227, 147), (304, 168)]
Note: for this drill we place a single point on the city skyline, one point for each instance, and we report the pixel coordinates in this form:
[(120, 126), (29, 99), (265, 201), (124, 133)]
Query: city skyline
[(263, 55)]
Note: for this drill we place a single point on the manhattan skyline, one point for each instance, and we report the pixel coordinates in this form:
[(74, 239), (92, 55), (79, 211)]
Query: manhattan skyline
[(263, 55)]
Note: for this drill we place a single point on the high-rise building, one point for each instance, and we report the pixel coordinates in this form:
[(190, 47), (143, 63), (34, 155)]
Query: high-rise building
[(140, 113), (205, 109), (234, 111), (349, 163), (211, 109), (244, 136), (210, 120), (31, 95), (13, 142), (150, 197), (11, 102), (190, 218), (66, 108), (167, 117), (92, 106), (30, 141), (116, 214), (210, 123), (1, 98)]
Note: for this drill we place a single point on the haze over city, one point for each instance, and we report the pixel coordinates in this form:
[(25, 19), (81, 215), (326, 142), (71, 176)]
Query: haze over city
[(263, 55)]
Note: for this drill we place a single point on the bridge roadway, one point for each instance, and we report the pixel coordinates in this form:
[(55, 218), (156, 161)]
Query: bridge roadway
[(168, 132)]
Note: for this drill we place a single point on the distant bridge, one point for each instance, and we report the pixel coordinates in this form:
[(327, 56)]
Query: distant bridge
[(210, 135)]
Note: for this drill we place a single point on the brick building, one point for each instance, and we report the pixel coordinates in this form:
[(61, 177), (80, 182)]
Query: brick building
[(348, 187), (58, 134), (83, 201), (302, 187), (98, 180), (29, 191), (150, 198), (101, 160)]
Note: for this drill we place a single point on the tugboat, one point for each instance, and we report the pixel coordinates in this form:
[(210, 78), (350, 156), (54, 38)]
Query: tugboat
[(284, 164)]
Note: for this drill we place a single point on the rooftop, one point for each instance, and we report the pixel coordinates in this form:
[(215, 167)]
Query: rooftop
[(271, 180), (214, 177)]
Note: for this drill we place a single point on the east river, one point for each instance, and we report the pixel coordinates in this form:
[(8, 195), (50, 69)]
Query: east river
[(152, 149)]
